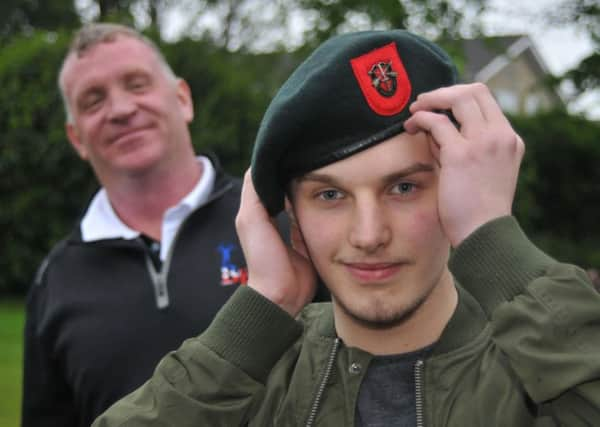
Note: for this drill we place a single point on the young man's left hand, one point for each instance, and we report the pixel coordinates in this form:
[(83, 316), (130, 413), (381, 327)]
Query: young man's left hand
[(281, 273), (479, 159)]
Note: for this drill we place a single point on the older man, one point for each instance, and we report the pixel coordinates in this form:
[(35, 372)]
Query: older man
[(155, 255)]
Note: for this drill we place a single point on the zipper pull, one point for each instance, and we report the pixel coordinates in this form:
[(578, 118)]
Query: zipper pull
[(160, 288)]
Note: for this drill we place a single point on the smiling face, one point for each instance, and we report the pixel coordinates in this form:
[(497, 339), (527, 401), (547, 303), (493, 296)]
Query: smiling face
[(128, 114), (371, 227)]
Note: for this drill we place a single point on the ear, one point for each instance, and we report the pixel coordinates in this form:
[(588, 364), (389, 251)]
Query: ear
[(289, 210), (73, 136), (184, 96), (296, 237)]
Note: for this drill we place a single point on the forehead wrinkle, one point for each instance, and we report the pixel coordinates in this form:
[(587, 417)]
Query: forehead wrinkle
[(94, 81)]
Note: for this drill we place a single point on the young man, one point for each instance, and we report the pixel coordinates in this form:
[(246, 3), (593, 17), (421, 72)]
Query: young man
[(387, 164), (156, 254)]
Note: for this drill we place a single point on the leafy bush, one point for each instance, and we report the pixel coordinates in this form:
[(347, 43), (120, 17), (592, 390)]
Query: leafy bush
[(43, 183), (558, 198)]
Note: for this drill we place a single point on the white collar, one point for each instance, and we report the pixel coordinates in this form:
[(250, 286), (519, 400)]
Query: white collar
[(101, 222)]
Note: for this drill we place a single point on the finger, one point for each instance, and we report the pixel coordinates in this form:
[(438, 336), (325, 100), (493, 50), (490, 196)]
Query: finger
[(437, 125), (468, 114), (459, 99), (434, 149), (438, 99), (488, 104), (249, 200)]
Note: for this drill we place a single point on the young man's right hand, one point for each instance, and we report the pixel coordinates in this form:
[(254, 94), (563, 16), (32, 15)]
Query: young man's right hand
[(479, 161), (280, 273)]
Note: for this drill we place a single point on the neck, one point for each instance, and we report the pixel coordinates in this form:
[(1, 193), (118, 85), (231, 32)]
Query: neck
[(421, 328), (141, 200)]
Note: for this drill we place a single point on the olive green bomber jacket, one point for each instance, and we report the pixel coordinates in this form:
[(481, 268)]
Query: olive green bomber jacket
[(522, 349)]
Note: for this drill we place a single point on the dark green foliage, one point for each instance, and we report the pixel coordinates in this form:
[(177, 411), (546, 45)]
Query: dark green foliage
[(23, 16), (42, 182), (585, 14), (231, 92), (586, 76), (558, 198)]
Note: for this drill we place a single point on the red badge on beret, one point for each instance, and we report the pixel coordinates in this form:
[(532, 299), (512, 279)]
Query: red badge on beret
[(383, 80)]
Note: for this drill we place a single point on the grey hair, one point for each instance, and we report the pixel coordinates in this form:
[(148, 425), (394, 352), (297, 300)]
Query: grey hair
[(93, 34)]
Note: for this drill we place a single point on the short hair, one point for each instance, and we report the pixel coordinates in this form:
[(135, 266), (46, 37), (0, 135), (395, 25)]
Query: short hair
[(93, 34)]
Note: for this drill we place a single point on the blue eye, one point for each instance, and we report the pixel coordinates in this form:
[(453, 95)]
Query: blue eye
[(330, 195), (404, 187)]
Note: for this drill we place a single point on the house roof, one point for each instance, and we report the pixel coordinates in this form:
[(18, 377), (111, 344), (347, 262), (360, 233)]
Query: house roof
[(485, 56), (480, 52)]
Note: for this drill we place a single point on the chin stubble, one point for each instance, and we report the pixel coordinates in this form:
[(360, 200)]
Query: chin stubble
[(378, 317)]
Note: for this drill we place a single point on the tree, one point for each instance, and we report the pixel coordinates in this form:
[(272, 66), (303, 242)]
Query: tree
[(19, 16), (265, 25), (585, 76)]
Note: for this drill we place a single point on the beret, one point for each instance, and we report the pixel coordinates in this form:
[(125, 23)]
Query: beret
[(351, 93)]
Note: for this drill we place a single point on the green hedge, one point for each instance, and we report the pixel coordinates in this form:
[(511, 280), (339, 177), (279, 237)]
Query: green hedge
[(558, 198), (42, 182)]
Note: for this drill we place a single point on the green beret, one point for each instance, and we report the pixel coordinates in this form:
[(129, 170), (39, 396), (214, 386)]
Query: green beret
[(351, 93)]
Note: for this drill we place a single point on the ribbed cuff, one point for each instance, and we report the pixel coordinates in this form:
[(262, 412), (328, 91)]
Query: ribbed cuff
[(497, 261), (251, 332)]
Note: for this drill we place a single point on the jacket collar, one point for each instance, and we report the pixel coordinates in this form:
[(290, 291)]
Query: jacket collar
[(466, 323), (221, 182)]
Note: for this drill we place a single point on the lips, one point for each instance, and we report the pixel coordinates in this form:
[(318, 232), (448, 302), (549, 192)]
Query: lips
[(373, 272), (128, 134)]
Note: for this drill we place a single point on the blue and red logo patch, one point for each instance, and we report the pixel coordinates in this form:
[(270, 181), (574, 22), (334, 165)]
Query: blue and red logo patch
[(231, 274)]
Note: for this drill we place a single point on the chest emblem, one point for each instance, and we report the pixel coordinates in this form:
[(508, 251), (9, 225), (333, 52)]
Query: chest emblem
[(231, 274)]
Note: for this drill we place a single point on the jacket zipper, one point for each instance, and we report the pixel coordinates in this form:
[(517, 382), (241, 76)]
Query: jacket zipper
[(317, 402), (159, 278), (159, 282), (419, 367)]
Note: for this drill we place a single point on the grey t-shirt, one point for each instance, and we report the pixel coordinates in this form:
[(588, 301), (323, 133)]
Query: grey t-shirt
[(387, 394)]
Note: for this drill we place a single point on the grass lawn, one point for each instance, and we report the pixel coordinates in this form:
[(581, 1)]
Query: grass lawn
[(11, 355)]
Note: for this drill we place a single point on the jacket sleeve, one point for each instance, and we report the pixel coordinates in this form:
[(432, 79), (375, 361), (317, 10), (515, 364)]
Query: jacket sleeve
[(47, 399), (545, 317), (218, 378)]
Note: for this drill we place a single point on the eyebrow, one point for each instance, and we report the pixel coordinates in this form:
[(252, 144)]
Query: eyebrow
[(394, 176)]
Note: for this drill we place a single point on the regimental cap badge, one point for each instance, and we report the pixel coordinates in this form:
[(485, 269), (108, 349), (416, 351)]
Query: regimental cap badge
[(383, 79)]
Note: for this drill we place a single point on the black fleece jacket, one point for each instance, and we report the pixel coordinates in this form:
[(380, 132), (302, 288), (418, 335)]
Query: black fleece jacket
[(100, 317)]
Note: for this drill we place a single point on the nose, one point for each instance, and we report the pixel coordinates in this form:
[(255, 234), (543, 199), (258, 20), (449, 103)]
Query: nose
[(370, 229), (122, 106)]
